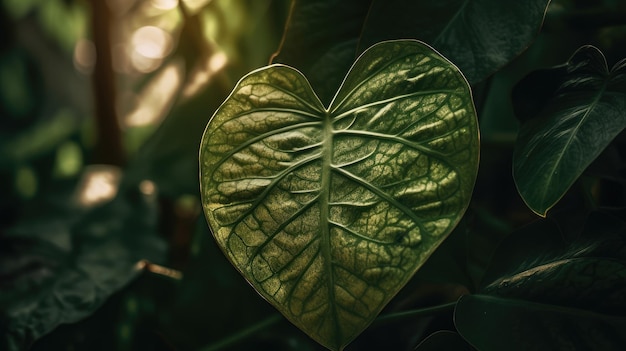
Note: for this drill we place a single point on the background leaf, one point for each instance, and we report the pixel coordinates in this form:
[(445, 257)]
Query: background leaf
[(329, 212), (565, 296), (478, 36), (593, 266), (585, 108), (60, 268), (322, 38), (520, 325)]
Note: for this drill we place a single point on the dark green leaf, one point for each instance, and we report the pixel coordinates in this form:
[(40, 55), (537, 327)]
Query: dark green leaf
[(323, 37), (329, 211), (61, 265), (320, 40), (39, 139), (494, 323), (540, 238), (578, 119), (478, 36), (544, 293), (590, 273)]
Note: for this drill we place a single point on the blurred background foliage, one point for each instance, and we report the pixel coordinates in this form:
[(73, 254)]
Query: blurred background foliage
[(102, 106)]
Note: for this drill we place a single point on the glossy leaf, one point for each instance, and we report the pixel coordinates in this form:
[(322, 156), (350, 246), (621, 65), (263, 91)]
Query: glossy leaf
[(61, 265), (521, 325), (568, 295), (585, 108), (479, 36), (329, 211), (322, 38), (589, 272)]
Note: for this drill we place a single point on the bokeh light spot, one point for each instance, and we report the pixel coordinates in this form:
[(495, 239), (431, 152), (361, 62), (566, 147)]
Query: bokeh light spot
[(69, 159), (84, 56), (98, 185), (164, 4), (152, 42), (26, 182)]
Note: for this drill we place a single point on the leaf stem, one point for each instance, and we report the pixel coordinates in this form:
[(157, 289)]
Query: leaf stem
[(421, 312), (273, 319), (163, 271), (244, 333)]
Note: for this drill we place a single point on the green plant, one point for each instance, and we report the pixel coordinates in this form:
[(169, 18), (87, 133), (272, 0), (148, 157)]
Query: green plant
[(328, 212), (341, 179)]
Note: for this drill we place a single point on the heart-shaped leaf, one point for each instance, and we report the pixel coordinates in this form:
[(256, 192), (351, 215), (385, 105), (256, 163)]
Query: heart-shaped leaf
[(582, 114), (329, 211)]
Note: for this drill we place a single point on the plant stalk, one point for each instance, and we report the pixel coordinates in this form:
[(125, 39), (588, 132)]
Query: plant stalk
[(244, 333), (108, 148), (270, 321)]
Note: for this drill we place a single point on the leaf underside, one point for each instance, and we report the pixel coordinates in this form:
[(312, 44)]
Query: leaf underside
[(328, 212)]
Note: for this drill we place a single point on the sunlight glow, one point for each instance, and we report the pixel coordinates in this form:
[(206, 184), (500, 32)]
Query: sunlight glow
[(200, 77), (147, 187), (84, 56), (98, 185), (164, 4), (152, 42), (120, 7), (193, 6), (156, 99), (217, 61), (144, 64)]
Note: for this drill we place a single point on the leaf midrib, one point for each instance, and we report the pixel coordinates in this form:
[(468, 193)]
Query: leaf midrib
[(546, 266), (570, 139), (327, 160)]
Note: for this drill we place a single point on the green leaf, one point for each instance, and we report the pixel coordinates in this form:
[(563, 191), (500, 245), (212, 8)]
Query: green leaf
[(538, 265), (62, 264), (584, 109), (322, 38), (494, 323), (329, 211), (479, 36), (564, 295)]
